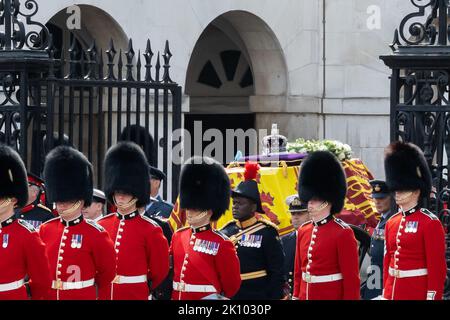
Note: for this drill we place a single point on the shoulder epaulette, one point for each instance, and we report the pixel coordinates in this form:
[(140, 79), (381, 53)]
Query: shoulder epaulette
[(268, 223), (44, 207), (341, 223), (220, 234), (145, 218), (182, 229), (51, 220), (107, 216), (229, 223), (305, 224), (429, 214), (26, 225), (95, 225)]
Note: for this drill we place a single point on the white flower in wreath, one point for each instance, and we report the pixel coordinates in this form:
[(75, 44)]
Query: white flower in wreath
[(342, 156), (322, 148), (347, 148)]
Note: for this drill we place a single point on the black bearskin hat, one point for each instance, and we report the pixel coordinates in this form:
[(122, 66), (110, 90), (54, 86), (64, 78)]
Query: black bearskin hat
[(204, 185), (13, 176), (68, 176), (322, 176), (126, 170), (406, 168), (134, 133)]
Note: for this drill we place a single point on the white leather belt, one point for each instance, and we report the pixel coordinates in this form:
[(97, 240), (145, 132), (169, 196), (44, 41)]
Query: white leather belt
[(321, 279), (184, 287), (60, 285), (407, 273), (130, 279), (11, 286)]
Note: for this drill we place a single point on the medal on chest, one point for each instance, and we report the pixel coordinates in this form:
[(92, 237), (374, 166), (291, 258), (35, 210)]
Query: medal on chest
[(378, 234), (205, 246), (251, 241), (411, 226), (77, 240), (5, 241)]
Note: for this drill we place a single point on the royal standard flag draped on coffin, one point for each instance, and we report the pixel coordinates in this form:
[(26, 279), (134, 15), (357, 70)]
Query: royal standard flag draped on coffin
[(278, 182)]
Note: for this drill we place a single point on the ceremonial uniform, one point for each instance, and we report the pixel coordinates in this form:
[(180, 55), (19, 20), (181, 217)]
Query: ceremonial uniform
[(414, 266), (414, 261), (35, 214), (142, 254), (205, 262), (81, 255), (159, 208), (22, 254), (142, 250), (374, 284), (326, 264), (261, 258), (80, 252)]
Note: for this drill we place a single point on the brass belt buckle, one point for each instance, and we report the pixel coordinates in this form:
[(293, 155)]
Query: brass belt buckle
[(308, 277), (58, 284), (181, 286), (397, 273), (116, 280)]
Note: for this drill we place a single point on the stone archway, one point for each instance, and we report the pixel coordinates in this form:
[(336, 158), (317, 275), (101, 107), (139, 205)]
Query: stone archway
[(236, 72)]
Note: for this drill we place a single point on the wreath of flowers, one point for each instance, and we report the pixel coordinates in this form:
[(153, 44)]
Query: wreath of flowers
[(341, 150)]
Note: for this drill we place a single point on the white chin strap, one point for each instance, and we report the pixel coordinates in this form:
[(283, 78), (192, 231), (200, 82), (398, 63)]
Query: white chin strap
[(197, 219), (320, 208), (72, 209), (6, 202), (406, 196), (126, 206)]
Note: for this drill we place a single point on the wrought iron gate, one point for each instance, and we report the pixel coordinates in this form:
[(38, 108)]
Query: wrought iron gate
[(84, 100), (420, 100)]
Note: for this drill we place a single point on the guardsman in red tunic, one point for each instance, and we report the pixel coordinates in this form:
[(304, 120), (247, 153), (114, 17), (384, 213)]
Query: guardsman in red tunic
[(326, 262), (80, 252), (414, 265), (142, 251), (22, 252), (205, 262)]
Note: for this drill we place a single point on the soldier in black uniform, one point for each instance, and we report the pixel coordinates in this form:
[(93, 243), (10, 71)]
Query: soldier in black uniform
[(35, 213), (157, 206), (257, 244), (382, 198), (299, 213)]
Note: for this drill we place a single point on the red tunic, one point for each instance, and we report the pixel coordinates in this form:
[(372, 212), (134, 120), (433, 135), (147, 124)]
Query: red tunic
[(415, 240), (22, 253), (327, 248), (204, 256), (141, 250), (79, 250)]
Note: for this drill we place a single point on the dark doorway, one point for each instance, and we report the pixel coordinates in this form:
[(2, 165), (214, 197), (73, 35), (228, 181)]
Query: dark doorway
[(221, 122)]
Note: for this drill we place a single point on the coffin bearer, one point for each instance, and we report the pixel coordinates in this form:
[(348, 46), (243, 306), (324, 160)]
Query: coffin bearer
[(141, 248), (299, 216), (205, 260), (326, 262), (22, 252), (383, 201), (257, 243), (414, 261), (80, 252)]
